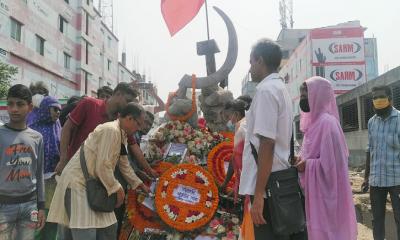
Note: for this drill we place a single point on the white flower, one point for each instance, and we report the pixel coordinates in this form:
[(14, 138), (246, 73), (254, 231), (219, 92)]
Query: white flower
[(235, 220), (163, 194), (220, 229), (208, 204), (166, 183)]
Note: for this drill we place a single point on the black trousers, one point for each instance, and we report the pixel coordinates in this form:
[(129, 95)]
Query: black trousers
[(264, 232), (378, 197)]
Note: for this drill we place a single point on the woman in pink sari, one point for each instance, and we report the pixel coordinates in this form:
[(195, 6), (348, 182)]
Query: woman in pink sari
[(323, 162)]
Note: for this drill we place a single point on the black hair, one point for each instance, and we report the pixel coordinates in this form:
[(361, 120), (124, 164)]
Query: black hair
[(150, 115), (104, 89), (126, 88), (387, 90), (269, 51), (39, 88), (67, 109), (20, 91), (132, 109), (74, 99), (228, 105), (239, 106), (247, 99)]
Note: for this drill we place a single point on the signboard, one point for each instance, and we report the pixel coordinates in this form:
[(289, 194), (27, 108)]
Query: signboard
[(186, 194), (338, 54), (338, 50), (344, 77)]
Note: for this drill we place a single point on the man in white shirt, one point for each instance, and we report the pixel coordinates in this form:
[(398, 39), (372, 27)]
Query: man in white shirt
[(269, 122)]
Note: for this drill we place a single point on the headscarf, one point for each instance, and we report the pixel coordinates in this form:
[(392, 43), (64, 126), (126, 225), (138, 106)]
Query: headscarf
[(322, 100), (40, 120), (328, 197)]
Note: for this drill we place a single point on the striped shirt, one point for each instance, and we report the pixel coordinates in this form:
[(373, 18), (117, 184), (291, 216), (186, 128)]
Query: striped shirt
[(384, 148)]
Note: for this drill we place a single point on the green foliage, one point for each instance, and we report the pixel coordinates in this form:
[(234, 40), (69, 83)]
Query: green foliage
[(6, 73)]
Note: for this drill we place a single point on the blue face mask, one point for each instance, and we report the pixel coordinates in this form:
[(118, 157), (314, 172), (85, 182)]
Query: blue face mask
[(230, 126)]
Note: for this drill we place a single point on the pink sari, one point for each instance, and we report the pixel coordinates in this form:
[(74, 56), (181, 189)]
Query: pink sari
[(329, 204)]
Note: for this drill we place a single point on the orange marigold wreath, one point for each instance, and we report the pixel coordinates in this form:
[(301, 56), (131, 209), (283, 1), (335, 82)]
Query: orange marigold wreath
[(186, 197), (217, 158), (229, 135), (139, 215)]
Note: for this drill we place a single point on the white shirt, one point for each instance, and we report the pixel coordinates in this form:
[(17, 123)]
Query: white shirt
[(270, 116)]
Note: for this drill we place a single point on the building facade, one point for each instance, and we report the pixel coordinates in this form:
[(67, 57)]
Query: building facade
[(63, 43), (338, 53), (356, 108)]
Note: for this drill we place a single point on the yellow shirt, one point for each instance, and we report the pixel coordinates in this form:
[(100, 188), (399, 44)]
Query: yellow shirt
[(102, 153)]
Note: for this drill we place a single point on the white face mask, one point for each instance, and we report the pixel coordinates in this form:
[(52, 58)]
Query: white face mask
[(230, 126)]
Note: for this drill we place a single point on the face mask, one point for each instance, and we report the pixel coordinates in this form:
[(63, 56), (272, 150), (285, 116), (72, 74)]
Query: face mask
[(230, 126), (304, 105), (381, 103)]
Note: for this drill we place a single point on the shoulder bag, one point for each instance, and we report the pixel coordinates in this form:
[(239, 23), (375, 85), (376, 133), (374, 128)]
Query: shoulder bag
[(284, 200)]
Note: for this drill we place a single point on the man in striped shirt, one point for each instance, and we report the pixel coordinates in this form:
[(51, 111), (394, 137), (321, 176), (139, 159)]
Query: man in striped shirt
[(382, 171)]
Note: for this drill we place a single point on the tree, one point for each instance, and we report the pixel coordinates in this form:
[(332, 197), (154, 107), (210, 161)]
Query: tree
[(6, 73)]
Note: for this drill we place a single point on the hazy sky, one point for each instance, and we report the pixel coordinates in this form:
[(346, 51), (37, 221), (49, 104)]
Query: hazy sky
[(150, 49)]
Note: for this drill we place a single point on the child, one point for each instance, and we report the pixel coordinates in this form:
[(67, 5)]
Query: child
[(21, 170)]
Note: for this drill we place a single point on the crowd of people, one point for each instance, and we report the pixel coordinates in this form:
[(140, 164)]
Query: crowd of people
[(49, 153)]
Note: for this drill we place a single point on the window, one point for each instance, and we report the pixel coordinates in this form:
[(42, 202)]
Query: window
[(66, 1), (285, 54), (86, 82), (108, 64), (109, 42), (16, 30), (63, 24), (87, 52), (87, 23), (40, 45), (67, 61), (350, 117), (25, 1), (368, 110), (396, 96), (88, 2)]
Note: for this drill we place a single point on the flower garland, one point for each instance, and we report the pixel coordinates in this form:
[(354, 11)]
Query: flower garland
[(188, 115), (186, 197), (217, 158), (139, 216), (228, 135)]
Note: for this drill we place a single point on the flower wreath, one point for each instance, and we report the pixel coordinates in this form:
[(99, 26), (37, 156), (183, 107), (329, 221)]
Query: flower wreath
[(217, 158), (186, 197), (228, 135), (188, 115), (140, 217)]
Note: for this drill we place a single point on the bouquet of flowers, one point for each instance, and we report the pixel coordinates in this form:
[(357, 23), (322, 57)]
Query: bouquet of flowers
[(199, 141), (224, 226)]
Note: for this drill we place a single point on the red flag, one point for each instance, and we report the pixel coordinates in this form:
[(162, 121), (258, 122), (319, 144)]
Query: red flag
[(178, 13)]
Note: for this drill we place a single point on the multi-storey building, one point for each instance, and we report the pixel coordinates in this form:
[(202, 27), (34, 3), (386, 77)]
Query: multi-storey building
[(338, 53), (61, 42)]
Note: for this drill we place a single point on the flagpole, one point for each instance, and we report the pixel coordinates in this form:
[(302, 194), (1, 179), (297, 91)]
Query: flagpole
[(208, 28)]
